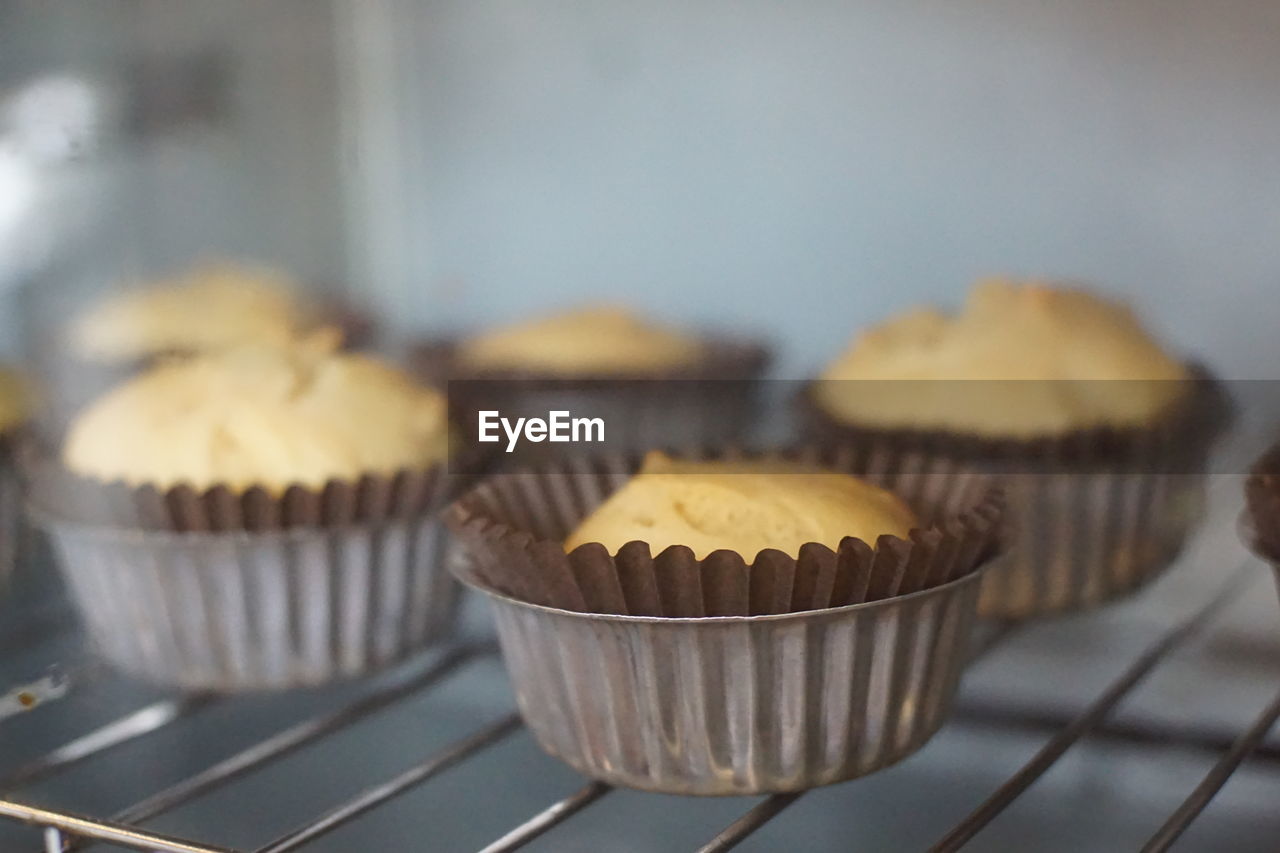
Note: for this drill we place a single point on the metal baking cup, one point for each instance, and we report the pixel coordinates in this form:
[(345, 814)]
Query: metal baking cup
[(1093, 514), (804, 694), (743, 704), (1078, 540), (254, 610), (227, 589)]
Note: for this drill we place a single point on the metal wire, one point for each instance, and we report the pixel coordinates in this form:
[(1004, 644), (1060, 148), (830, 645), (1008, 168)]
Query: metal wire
[(1145, 732), (379, 794), (738, 831), (1213, 781), (988, 637), (61, 828), (134, 725), (295, 737), (125, 836), (552, 816), (1096, 712)]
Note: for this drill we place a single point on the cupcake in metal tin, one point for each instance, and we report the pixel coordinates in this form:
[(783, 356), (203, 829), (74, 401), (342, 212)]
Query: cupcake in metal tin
[(260, 517), (652, 385), (1102, 433), (731, 626), (207, 307), (211, 305)]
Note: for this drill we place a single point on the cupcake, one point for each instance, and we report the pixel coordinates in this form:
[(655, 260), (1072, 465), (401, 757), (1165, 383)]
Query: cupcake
[(741, 506), (591, 342), (209, 307), (1102, 431), (260, 516), (15, 408), (667, 622), (651, 385), (212, 306)]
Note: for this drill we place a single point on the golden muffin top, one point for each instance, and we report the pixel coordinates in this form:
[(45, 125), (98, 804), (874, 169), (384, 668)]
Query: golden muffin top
[(591, 341), (1050, 360), (211, 306), (260, 415), (741, 506)]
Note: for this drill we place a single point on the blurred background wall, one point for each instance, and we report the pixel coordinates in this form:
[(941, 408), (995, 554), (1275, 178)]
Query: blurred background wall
[(802, 168), (201, 129), (808, 166)]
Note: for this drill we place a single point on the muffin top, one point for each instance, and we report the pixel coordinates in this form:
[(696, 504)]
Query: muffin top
[(1062, 346), (741, 506), (15, 399), (591, 341), (211, 306), (262, 415)]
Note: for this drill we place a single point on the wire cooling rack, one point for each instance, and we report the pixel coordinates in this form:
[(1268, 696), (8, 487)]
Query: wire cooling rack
[(1093, 720)]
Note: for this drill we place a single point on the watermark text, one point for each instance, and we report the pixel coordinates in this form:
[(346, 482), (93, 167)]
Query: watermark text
[(558, 427)]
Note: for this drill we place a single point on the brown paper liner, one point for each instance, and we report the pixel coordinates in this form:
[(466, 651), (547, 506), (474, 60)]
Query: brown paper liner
[(371, 500), (514, 525)]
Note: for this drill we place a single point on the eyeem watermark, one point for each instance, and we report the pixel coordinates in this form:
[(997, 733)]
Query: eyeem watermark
[(558, 427)]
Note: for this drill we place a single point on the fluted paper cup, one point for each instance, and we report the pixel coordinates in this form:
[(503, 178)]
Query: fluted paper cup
[(223, 590), (743, 704), (1079, 540), (734, 674), (244, 611), (513, 526), (1094, 514)]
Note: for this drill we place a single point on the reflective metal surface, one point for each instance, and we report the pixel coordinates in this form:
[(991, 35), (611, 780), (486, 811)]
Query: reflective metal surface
[(738, 705), (242, 611), (1082, 539)]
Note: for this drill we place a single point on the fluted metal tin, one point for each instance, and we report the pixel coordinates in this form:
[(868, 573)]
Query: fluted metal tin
[(240, 611), (742, 704), (1080, 539), (1093, 514)]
